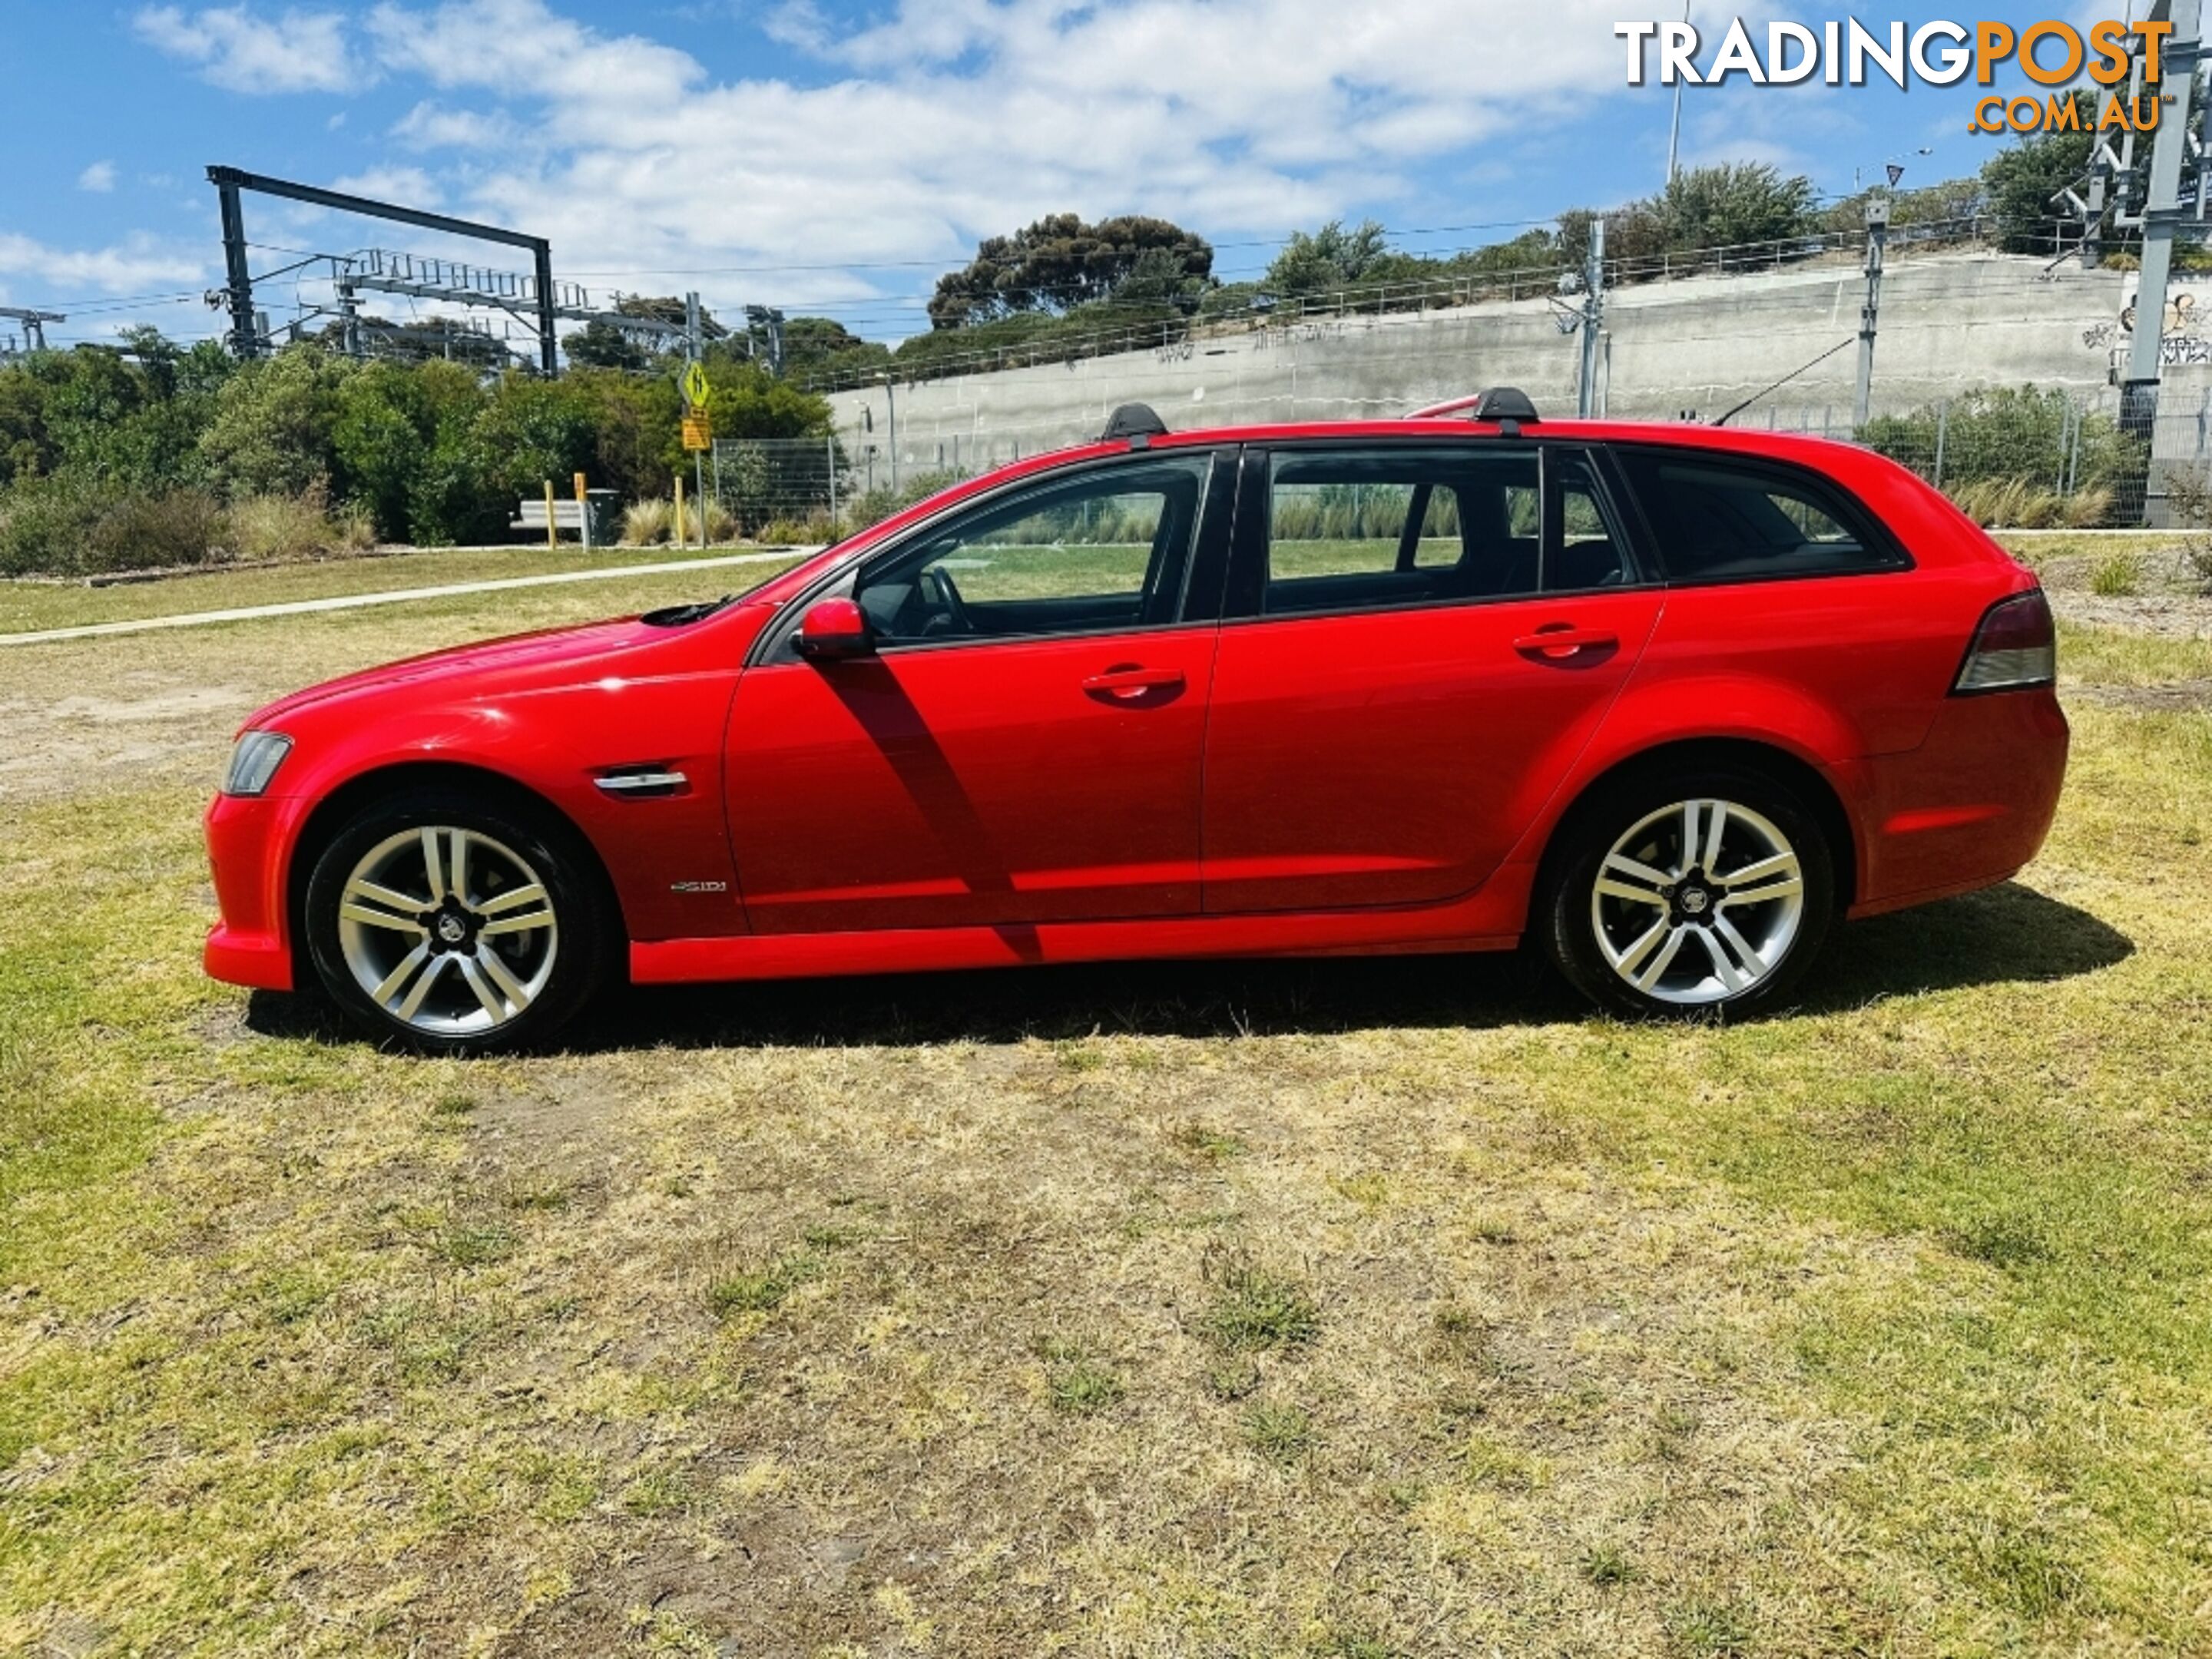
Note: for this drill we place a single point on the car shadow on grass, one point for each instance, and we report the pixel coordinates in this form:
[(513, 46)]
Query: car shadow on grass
[(2007, 934), (2003, 934)]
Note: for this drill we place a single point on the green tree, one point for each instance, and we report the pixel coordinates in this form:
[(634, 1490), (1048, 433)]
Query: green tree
[(1732, 205), (532, 429), (601, 345), (391, 417), (815, 347), (270, 430), (1060, 262), (2024, 177), (1331, 258)]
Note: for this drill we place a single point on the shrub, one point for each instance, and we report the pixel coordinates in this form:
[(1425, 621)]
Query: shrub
[(148, 531), (2189, 502), (282, 527), (787, 531), (44, 529), (721, 523), (356, 529), (2019, 437), (647, 524), (65, 529)]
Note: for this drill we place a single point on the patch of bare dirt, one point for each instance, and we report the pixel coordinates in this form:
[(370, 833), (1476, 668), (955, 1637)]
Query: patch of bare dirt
[(140, 727), (2169, 616), (2174, 695)]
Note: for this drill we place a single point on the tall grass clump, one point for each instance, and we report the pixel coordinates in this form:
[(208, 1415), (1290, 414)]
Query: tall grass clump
[(647, 524), (273, 526), (2116, 576)]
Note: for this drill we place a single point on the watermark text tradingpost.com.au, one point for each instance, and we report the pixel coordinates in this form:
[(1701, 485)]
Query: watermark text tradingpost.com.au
[(1942, 53)]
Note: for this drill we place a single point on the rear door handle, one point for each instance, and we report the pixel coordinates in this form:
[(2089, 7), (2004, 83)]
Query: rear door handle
[(1130, 683), (1560, 641)]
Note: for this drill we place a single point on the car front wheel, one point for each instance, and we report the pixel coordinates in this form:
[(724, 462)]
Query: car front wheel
[(454, 925), (1710, 891)]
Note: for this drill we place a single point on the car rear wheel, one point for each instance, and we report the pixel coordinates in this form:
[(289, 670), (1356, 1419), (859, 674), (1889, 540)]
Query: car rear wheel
[(454, 925), (1672, 898)]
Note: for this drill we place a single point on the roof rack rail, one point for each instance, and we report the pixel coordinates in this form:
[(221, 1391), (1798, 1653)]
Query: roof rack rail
[(1498, 403), (1135, 421)]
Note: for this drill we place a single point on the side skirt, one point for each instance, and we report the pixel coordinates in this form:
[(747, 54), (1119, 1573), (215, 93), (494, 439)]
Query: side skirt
[(1488, 920)]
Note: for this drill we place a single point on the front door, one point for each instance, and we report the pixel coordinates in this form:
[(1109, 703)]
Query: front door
[(1025, 745), (1429, 637)]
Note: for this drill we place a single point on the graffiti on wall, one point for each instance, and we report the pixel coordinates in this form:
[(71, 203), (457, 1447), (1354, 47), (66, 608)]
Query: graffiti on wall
[(2180, 339)]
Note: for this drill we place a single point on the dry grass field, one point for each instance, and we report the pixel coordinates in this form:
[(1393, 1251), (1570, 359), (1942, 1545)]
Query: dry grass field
[(1346, 1309)]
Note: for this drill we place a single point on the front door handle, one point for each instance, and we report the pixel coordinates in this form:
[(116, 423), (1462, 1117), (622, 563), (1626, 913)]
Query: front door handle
[(1130, 683), (1559, 641)]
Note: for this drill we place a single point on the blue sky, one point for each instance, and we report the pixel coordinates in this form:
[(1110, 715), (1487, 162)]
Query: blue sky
[(830, 157)]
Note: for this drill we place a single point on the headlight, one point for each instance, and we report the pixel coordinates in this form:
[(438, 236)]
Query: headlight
[(254, 762)]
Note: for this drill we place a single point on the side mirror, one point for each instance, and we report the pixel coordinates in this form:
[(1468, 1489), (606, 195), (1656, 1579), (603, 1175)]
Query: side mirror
[(833, 630)]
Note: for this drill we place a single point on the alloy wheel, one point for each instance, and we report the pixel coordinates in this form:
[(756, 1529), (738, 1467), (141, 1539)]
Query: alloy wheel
[(448, 931), (1699, 902)]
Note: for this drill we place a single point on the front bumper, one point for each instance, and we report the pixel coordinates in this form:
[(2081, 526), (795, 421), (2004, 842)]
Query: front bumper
[(250, 944)]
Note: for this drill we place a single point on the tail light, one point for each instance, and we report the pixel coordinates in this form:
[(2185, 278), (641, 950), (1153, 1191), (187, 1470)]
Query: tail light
[(2013, 649)]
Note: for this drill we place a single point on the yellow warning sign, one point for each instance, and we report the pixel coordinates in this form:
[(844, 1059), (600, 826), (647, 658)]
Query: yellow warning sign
[(696, 393), (698, 432)]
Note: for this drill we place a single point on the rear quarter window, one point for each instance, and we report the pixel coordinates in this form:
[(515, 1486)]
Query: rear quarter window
[(1720, 518)]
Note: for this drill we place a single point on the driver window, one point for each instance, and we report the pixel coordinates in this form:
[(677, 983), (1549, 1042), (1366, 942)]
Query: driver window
[(1101, 552)]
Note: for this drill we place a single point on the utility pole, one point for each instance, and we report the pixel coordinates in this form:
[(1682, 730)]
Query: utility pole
[(2161, 213), (349, 319), (1674, 131), (34, 325), (237, 274), (890, 396), (1877, 225), (692, 346), (1593, 318)]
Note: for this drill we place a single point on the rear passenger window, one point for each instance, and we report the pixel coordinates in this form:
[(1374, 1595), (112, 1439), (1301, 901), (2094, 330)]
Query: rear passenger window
[(1353, 531), (1725, 521)]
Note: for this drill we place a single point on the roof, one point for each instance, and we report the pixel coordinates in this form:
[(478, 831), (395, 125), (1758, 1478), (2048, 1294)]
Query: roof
[(1733, 440)]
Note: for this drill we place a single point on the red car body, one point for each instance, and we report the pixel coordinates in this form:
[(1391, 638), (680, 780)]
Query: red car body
[(1381, 780)]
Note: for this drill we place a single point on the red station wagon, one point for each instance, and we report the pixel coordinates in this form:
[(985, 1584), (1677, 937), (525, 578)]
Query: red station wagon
[(1664, 702)]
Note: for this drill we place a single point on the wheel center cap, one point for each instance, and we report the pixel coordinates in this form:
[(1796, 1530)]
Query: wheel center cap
[(452, 927), (1695, 901)]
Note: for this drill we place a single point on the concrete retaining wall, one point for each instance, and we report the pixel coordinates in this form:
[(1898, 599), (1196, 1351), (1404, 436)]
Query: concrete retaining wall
[(1949, 322)]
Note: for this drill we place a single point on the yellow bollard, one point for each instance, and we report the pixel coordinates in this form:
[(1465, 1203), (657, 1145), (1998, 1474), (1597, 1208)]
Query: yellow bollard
[(680, 538), (552, 534)]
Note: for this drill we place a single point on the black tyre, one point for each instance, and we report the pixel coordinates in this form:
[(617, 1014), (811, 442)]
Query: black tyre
[(1709, 891), (456, 924)]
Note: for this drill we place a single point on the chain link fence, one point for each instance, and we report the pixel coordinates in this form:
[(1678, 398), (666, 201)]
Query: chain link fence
[(816, 489), (2014, 458)]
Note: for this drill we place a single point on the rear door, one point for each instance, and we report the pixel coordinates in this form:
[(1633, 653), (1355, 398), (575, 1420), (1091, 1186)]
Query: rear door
[(1777, 575), (1024, 747), (1419, 640)]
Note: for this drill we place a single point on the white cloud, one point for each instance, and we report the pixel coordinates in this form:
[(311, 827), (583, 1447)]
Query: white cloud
[(241, 52), (935, 123), (434, 126), (99, 178), (953, 118), (137, 265), (392, 184)]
